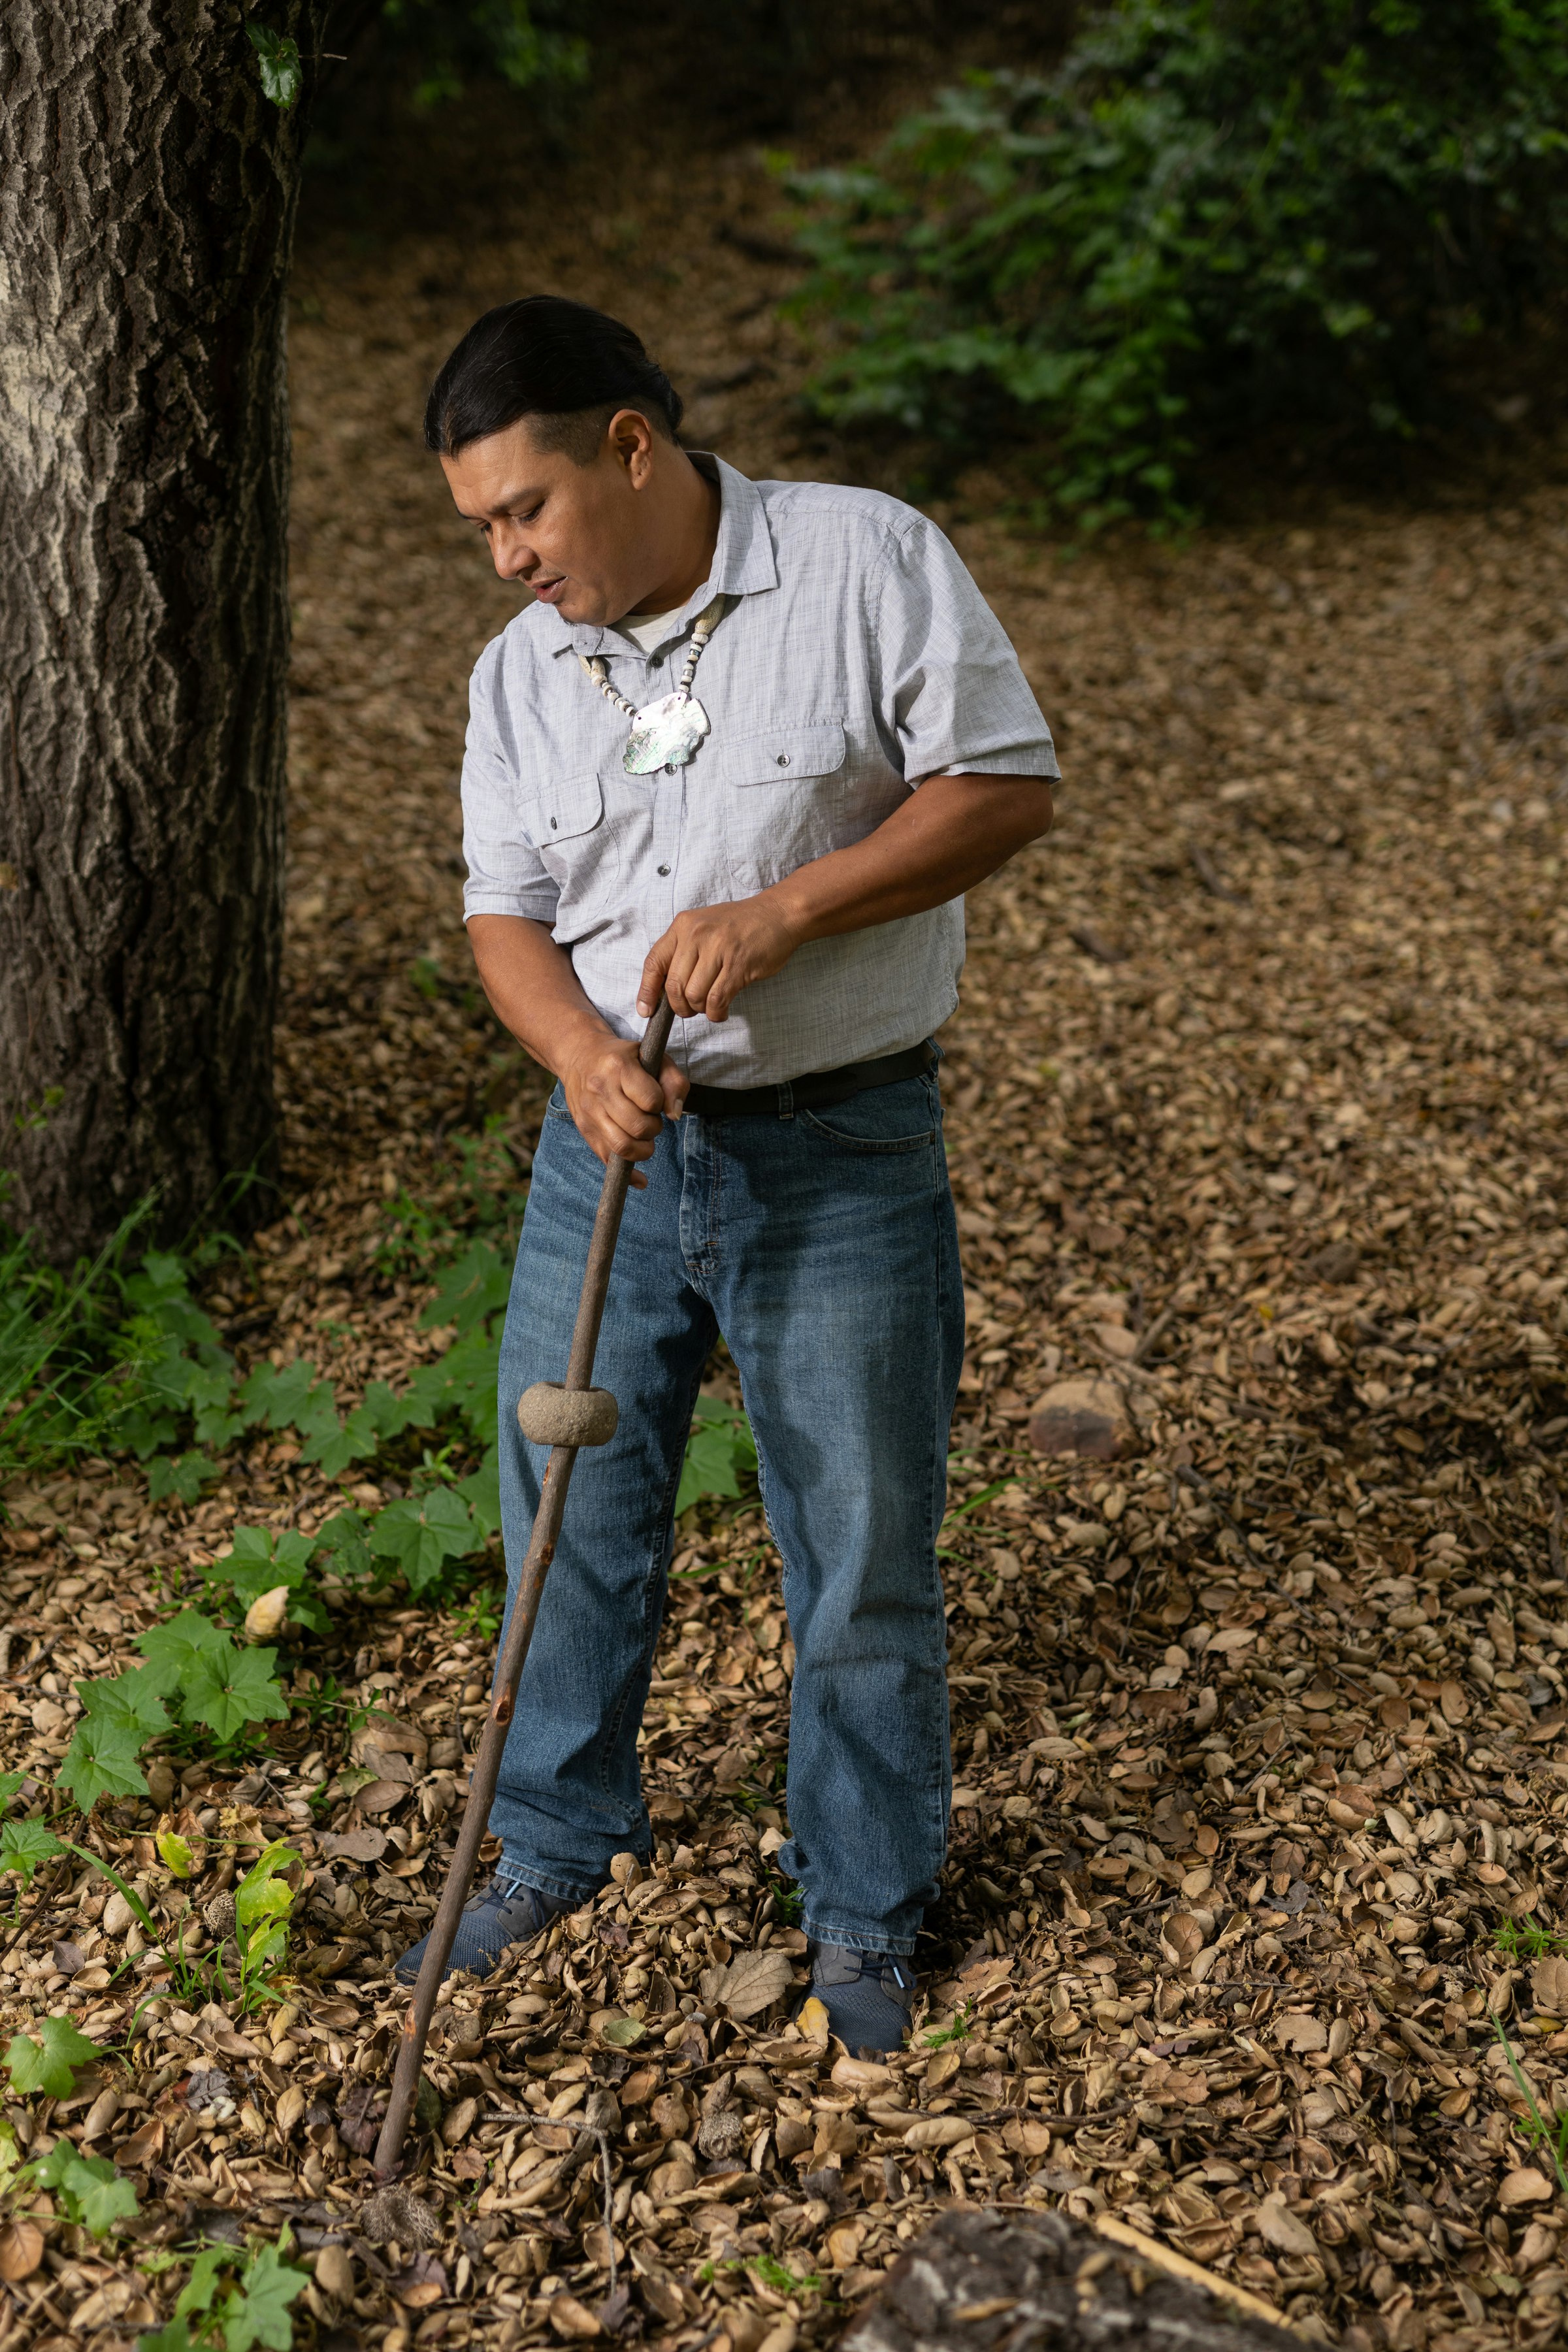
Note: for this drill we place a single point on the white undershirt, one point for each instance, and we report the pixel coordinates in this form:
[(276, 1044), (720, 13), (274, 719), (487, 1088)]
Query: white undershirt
[(646, 629)]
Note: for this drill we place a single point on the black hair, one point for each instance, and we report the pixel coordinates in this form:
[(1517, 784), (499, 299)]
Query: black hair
[(564, 366)]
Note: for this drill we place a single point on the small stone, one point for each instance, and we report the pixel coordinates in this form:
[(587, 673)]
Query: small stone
[(1086, 1418), (1336, 1262)]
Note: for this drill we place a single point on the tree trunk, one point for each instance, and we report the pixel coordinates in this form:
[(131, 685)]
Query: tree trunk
[(147, 202)]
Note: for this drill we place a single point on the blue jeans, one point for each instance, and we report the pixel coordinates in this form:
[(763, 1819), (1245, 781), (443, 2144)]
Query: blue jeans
[(823, 1245)]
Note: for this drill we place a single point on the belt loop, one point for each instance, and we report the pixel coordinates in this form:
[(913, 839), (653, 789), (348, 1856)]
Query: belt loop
[(786, 1100)]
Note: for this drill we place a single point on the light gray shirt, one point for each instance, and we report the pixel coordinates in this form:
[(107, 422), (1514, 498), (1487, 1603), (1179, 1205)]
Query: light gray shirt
[(856, 659)]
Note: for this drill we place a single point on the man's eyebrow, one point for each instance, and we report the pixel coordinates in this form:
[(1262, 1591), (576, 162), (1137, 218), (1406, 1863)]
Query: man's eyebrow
[(506, 505)]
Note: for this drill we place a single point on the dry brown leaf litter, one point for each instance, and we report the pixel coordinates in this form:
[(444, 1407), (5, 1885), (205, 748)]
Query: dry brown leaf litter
[(1254, 1122)]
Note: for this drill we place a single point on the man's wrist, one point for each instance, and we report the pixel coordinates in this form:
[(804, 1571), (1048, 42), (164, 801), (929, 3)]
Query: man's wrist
[(585, 1038), (788, 905)]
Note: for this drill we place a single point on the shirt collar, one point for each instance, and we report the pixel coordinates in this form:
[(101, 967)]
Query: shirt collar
[(744, 561)]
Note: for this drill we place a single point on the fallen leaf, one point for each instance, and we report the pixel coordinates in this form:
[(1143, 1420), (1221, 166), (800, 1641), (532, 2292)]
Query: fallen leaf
[(1295, 2032), (381, 1796), (622, 2032), (353, 1846), (1182, 1937), (1523, 2187), (421, 2285), (749, 1983), (264, 1618), (143, 2149), (938, 2131), (1279, 2227), (1549, 1983), (571, 2318), (21, 2250), (459, 2121)]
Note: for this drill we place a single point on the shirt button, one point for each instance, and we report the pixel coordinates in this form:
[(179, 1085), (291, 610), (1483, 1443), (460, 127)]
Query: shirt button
[(784, 758), (553, 825), (655, 661), (664, 869)]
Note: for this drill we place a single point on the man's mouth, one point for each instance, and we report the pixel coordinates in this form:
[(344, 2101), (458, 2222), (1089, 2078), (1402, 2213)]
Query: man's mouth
[(549, 591)]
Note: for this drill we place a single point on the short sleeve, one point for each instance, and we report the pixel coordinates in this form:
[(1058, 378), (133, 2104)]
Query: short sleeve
[(954, 694), (506, 875)]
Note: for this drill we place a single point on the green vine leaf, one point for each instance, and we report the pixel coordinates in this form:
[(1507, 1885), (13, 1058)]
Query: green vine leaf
[(277, 54), (50, 2064)]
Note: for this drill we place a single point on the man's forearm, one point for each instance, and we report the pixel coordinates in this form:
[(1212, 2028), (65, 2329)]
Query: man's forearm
[(946, 838), (532, 989)]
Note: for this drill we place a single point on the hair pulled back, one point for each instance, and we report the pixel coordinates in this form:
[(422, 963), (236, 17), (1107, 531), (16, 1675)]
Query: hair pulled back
[(565, 367)]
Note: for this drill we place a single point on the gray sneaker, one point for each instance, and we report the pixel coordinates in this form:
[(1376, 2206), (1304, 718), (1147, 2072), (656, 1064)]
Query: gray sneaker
[(867, 1996), (494, 1919)]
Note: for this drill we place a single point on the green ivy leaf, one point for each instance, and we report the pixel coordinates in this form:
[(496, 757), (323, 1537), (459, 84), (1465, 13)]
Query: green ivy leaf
[(183, 1475), (280, 1398), (262, 1560), (422, 1533), (173, 2337), (472, 1289), (719, 1447), (50, 2064), (256, 2312), (342, 1539), (131, 1701), (175, 1651), (344, 1442), (229, 1688), (24, 1845), (481, 1491), (282, 76), (93, 2193), (101, 1763), (201, 2287), (9, 1784)]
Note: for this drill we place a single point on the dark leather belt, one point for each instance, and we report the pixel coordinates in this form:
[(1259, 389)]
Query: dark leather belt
[(815, 1092)]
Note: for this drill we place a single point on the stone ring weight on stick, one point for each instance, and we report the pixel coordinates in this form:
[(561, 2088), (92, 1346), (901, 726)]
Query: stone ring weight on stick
[(564, 1416)]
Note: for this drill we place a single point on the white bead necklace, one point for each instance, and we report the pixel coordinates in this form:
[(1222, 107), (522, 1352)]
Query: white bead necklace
[(666, 733)]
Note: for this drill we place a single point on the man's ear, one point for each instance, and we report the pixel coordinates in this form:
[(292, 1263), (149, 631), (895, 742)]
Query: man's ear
[(630, 437)]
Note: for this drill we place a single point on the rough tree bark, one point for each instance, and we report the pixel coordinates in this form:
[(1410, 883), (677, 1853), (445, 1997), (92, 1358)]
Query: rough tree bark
[(147, 202)]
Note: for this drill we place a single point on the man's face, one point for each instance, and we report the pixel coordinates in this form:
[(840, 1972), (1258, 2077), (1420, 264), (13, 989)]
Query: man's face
[(578, 536)]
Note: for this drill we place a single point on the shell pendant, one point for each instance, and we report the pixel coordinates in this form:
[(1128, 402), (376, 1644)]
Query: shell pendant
[(665, 734)]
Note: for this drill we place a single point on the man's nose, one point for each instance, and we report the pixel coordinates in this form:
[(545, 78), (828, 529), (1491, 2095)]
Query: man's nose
[(514, 559)]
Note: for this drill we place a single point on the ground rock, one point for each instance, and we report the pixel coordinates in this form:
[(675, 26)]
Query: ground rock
[(1082, 1417), (979, 2278)]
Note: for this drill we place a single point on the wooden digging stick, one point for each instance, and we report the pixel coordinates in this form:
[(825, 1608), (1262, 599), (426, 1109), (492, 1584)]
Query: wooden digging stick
[(514, 1646)]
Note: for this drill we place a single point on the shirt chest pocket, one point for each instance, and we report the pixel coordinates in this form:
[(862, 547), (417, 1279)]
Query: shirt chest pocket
[(787, 799), (575, 845)]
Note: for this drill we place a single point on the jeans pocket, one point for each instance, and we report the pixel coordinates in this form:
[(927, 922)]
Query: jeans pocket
[(556, 1107), (900, 1118)]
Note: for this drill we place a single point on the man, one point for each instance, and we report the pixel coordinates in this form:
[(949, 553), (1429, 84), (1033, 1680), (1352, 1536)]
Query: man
[(748, 745)]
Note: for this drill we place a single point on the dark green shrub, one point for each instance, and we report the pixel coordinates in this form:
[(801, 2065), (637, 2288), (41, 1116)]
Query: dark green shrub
[(1214, 215)]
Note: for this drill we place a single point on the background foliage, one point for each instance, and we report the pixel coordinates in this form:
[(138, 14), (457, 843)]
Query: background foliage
[(1215, 217)]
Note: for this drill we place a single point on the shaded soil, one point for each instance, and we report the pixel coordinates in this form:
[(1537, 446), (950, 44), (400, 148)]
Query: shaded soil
[(1256, 1116)]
